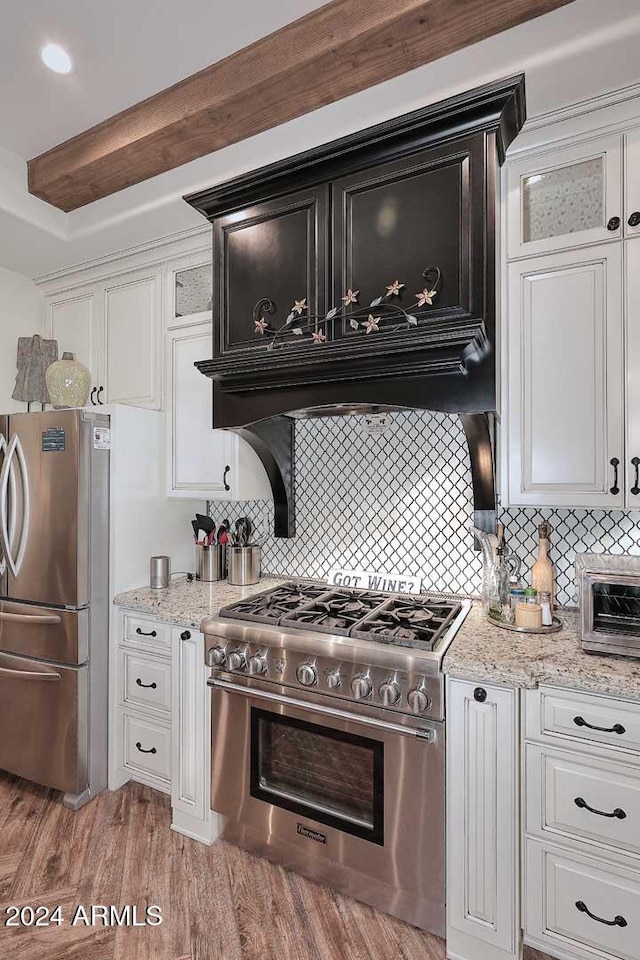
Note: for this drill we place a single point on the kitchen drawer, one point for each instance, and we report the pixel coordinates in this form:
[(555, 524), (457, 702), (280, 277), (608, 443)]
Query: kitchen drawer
[(148, 634), (577, 905), (584, 798), (146, 682), (582, 716), (147, 746)]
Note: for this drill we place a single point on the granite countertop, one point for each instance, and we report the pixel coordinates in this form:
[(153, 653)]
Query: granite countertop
[(487, 653), (186, 604), (480, 651)]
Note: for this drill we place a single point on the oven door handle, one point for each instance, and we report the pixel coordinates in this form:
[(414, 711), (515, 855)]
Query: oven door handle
[(423, 733)]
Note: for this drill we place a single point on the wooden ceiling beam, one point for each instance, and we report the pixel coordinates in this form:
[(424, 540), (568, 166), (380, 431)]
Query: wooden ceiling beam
[(333, 52)]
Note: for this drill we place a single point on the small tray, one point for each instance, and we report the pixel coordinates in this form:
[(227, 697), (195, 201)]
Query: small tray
[(554, 628)]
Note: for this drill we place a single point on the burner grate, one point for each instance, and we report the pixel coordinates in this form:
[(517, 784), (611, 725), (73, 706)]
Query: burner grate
[(272, 605), (408, 622), (337, 612)]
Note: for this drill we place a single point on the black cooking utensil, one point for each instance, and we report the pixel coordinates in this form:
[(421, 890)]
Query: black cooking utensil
[(206, 523)]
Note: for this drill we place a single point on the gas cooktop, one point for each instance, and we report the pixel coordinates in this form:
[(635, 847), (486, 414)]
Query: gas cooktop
[(379, 650), (401, 620)]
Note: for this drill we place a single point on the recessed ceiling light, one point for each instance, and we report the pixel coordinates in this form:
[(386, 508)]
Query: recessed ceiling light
[(56, 58)]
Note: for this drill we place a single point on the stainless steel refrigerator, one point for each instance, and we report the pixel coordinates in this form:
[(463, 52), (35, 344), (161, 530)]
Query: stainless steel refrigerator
[(54, 593)]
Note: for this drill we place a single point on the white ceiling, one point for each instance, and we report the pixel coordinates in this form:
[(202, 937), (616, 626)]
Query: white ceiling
[(128, 50), (125, 50)]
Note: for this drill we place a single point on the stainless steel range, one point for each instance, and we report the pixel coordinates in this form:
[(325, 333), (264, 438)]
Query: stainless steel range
[(328, 738)]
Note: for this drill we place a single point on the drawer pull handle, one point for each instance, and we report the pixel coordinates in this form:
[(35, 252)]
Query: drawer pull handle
[(616, 922), (616, 728), (618, 813), (144, 633), (152, 686), (142, 750)]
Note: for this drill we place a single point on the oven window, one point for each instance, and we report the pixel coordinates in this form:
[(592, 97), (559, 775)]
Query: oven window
[(321, 773), (616, 608)]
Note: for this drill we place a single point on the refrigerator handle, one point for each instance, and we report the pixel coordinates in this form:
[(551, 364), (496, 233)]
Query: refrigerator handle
[(12, 517), (6, 538)]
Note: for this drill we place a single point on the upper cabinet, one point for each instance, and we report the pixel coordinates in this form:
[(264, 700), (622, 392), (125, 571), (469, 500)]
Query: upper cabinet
[(570, 332), (566, 197), (132, 341), (344, 274), (267, 257), (632, 184), (566, 379), (75, 321), (114, 328), (383, 230)]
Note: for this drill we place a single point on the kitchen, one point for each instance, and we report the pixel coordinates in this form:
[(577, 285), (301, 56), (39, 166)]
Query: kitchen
[(337, 724)]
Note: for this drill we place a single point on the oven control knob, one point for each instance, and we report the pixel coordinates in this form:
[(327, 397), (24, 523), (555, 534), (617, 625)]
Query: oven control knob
[(333, 680), (257, 665), (361, 687), (236, 660), (418, 701), (306, 674), (217, 657), (389, 693)]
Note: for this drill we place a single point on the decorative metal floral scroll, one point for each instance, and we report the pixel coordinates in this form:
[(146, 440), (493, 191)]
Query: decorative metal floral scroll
[(383, 313)]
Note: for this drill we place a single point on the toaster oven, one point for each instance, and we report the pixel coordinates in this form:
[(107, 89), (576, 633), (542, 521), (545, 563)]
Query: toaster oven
[(609, 597)]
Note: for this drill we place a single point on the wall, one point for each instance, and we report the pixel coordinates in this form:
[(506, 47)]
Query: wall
[(21, 315), (403, 501)]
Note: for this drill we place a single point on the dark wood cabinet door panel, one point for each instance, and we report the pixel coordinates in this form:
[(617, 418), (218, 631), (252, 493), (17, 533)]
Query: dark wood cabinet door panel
[(275, 250), (393, 221)]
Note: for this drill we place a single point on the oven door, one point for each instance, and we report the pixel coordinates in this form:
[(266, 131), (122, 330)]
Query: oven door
[(341, 796)]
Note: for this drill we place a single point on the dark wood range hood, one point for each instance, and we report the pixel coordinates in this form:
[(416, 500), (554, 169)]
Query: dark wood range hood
[(411, 200)]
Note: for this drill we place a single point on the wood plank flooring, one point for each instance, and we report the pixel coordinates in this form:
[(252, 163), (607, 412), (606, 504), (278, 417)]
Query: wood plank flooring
[(218, 902)]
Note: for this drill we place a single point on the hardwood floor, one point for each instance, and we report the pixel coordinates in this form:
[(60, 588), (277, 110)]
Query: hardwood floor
[(218, 902)]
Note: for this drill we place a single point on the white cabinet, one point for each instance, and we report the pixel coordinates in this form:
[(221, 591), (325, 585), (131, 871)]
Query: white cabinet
[(133, 340), (203, 463), (565, 197), (74, 320), (581, 874), (115, 329), (483, 918), (190, 731), (160, 718), (632, 184), (632, 251), (566, 379), (201, 460)]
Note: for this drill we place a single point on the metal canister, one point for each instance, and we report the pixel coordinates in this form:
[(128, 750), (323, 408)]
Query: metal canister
[(211, 562), (159, 572), (244, 565)]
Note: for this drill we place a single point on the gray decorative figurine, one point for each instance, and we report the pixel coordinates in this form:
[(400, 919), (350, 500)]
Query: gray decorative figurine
[(35, 355)]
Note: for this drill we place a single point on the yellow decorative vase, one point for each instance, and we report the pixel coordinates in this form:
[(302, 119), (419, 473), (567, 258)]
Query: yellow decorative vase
[(68, 382)]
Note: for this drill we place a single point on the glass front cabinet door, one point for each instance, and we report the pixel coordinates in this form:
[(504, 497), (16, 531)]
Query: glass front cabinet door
[(566, 197)]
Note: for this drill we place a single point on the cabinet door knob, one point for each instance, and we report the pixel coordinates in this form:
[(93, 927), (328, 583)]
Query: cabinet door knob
[(615, 463), (634, 219), (635, 489), (613, 224), (480, 694), (185, 635), (98, 398), (224, 478), (93, 396)]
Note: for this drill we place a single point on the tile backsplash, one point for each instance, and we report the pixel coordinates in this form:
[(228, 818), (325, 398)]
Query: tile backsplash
[(403, 501)]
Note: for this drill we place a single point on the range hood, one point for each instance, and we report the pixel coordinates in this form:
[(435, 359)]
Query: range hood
[(375, 216)]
